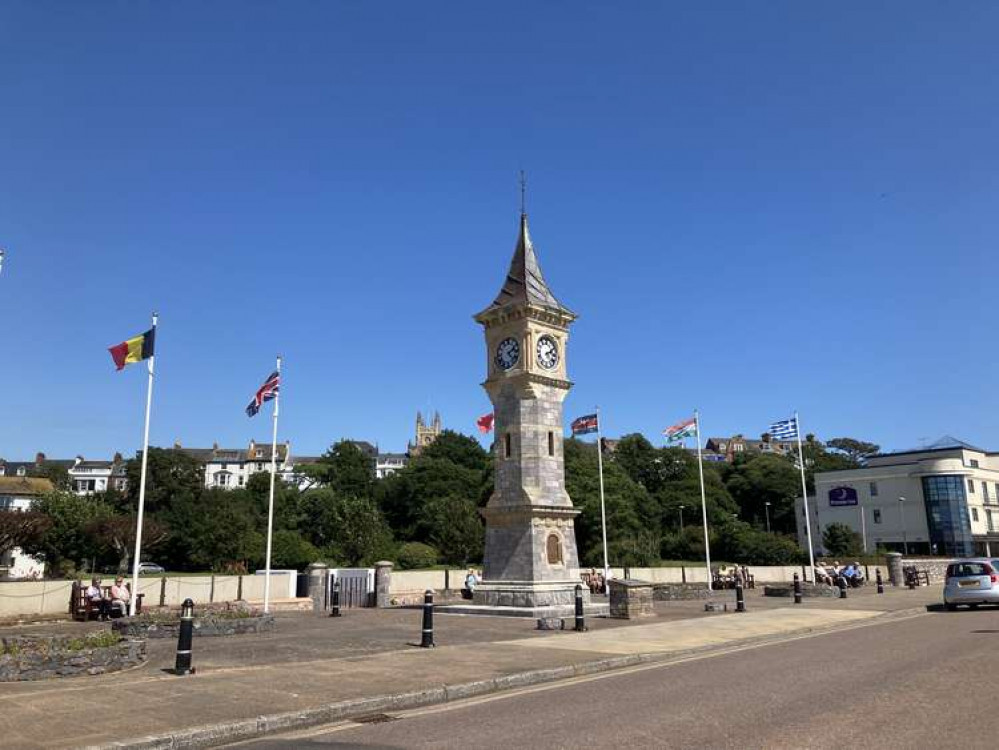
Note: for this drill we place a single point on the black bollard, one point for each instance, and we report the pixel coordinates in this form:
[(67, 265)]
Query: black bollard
[(797, 589), (580, 621), (184, 641), (880, 582), (428, 620), (740, 598), (335, 611), (842, 587)]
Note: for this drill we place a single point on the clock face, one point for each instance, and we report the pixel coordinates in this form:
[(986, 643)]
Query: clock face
[(547, 352), (507, 353)]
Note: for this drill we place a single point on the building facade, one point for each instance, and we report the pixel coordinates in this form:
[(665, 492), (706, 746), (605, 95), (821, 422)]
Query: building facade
[(942, 499), (17, 494)]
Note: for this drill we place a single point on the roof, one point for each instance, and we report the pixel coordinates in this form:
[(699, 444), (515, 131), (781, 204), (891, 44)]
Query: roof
[(27, 486), (94, 465), (525, 284), (945, 443)]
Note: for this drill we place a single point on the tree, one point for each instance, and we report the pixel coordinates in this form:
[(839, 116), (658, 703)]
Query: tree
[(755, 480), (171, 477), (21, 528), (291, 551), (841, 540), (220, 532), (857, 451), (453, 526), (66, 544), (346, 469), (416, 555), (459, 449), (347, 529), (118, 533)]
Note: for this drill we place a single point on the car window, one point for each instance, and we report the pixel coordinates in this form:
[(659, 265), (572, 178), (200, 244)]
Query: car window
[(958, 570)]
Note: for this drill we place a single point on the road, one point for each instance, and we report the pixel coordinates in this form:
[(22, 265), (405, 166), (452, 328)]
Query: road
[(924, 681)]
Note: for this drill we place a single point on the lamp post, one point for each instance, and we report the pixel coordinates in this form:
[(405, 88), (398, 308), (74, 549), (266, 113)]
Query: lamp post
[(681, 519), (901, 514), (863, 525), (766, 510)]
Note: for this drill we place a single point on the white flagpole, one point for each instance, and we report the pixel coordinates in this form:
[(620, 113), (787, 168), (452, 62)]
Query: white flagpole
[(142, 481), (603, 510), (270, 504), (804, 499), (704, 502)]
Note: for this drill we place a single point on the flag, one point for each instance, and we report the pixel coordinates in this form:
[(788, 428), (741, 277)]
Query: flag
[(785, 430), (681, 430), (585, 425), (265, 393), (485, 423), (134, 349)]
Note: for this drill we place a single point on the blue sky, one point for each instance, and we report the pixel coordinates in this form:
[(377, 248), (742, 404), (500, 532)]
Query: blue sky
[(754, 207)]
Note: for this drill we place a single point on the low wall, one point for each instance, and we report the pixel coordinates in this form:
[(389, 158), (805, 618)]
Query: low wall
[(23, 662), (140, 627), (46, 598)]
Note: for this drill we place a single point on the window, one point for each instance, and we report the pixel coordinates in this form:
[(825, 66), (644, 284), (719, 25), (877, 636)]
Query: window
[(873, 486), (738, 447), (6, 502), (20, 471), (260, 466), (985, 491), (877, 515), (989, 521), (259, 453), (240, 480), (506, 445), (971, 486), (222, 479), (551, 443), (974, 463), (974, 514), (948, 515)]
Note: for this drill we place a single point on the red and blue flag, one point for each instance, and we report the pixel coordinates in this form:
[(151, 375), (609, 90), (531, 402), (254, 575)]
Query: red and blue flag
[(585, 425), (267, 392)]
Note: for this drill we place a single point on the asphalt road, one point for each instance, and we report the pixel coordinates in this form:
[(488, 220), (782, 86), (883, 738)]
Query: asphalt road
[(927, 681)]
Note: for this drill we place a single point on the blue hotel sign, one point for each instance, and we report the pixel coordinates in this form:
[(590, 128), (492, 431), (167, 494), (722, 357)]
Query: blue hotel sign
[(840, 496)]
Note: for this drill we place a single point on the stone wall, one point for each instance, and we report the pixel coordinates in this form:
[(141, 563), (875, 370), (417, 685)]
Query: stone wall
[(673, 592), (38, 658), (143, 627)]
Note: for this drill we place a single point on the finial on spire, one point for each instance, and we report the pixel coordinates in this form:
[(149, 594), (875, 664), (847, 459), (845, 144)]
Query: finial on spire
[(523, 192)]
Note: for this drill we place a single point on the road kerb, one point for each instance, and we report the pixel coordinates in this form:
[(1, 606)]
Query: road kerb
[(213, 735)]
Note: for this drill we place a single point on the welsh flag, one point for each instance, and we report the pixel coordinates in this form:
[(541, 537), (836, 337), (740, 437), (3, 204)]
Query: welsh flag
[(681, 430)]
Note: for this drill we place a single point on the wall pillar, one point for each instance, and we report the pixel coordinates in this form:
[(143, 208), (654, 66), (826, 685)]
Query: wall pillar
[(895, 568), (383, 582), (318, 577)]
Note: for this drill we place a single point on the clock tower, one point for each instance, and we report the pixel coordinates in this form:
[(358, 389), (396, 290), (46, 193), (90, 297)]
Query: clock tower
[(531, 564)]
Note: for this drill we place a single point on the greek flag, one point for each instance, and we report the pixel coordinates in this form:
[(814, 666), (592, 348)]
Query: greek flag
[(785, 430)]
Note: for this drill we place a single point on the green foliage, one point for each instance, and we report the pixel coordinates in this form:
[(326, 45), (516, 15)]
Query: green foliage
[(171, 477), (291, 551), (856, 451), (458, 449), (454, 526), (66, 545), (416, 555), (220, 529), (841, 540), (739, 542), (349, 530), (346, 469), (21, 528), (755, 480), (101, 639)]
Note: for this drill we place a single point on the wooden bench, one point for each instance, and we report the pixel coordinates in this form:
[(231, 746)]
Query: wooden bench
[(83, 609), (913, 576)]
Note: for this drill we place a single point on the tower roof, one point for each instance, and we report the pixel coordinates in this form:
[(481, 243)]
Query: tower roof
[(525, 284)]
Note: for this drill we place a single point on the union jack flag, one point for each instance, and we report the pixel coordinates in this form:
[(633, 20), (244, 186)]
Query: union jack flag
[(265, 393)]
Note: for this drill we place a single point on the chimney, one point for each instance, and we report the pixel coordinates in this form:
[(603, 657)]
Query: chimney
[(117, 458), (215, 446), (176, 444), (39, 458)]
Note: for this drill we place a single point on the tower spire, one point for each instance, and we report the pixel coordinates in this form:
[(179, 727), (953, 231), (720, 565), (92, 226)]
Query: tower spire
[(523, 193)]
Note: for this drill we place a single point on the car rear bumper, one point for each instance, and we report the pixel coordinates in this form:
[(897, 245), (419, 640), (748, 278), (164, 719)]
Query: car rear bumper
[(954, 595)]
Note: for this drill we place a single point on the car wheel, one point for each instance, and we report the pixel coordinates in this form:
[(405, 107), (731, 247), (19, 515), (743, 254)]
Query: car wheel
[(973, 606), (950, 607)]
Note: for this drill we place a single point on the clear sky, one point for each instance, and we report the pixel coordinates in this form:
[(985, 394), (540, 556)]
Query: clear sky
[(754, 207)]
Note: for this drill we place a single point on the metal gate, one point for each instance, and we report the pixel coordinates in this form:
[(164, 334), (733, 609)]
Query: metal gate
[(357, 586)]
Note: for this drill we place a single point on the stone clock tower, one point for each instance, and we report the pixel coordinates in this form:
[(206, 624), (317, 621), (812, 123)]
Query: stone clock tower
[(531, 563)]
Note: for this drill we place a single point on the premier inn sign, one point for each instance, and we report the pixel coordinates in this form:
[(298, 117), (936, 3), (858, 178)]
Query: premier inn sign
[(839, 496)]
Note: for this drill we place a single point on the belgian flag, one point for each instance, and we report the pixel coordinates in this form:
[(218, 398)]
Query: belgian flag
[(134, 349)]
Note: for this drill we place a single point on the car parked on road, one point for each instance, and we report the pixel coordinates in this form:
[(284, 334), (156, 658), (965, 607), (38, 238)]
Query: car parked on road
[(150, 568), (971, 582)]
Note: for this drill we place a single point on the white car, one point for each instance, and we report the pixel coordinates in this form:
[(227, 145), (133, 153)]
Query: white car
[(150, 568), (972, 582)]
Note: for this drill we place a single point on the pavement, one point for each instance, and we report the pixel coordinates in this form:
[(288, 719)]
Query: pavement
[(314, 670), (921, 681)]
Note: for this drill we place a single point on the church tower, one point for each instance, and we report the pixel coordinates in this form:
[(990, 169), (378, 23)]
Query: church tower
[(530, 555)]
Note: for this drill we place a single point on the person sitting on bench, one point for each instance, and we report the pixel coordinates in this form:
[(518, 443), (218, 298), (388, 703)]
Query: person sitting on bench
[(96, 598), (120, 596)]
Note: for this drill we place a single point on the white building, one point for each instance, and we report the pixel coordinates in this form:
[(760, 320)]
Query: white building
[(231, 468), (941, 499), (389, 463), (18, 493)]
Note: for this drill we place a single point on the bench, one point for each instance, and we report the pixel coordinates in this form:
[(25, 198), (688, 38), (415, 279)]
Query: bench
[(913, 576), (82, 609)]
